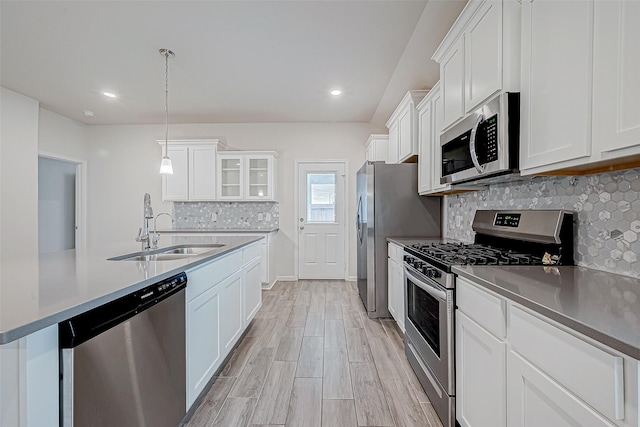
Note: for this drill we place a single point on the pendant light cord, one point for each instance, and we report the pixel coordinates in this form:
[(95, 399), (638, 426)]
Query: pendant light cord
[(166, 103)]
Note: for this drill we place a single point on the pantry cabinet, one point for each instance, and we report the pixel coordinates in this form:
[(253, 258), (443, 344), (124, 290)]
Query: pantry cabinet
[(479, 57), (194, 166), (395, 283), (377, 148), (403, 128), (246, 175)]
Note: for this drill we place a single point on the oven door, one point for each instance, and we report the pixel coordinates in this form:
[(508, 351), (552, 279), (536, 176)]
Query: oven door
[(429, 325)]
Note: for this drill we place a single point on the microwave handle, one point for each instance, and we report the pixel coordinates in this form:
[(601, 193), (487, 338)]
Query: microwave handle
[(472, 144)]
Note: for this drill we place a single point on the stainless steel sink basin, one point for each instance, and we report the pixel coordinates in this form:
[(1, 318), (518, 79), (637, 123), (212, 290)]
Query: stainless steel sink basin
[(168, 254)]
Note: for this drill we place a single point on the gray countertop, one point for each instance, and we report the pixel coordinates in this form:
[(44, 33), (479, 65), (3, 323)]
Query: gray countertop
[(217, 230), (407, 241), (601, 305), (39, 291)]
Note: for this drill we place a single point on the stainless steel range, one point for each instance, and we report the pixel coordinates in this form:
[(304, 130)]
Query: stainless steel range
[(516, 237)]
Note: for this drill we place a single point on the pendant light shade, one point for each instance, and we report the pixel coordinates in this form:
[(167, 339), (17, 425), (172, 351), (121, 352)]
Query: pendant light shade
[(165, 167)]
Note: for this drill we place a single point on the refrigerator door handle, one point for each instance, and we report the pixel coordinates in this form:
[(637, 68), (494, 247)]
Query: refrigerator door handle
[(359, 219)]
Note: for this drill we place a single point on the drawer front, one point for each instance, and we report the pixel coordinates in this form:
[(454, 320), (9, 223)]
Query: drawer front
[(484, 308), (210, 274), (251, 252), (594, 375)]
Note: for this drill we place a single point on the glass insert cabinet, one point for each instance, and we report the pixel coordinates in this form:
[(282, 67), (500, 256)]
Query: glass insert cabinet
[(246, 175)]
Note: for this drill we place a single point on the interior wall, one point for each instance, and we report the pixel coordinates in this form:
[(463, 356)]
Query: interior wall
[(59, 135), (124, 163), (18, 174), (56, 205)]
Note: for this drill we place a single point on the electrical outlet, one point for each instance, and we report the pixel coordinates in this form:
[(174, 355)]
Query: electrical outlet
[(268, 216), (458, 221), (260, 216), (214, 216)]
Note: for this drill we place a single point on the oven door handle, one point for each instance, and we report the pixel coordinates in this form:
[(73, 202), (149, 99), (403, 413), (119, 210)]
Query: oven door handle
[(472, 144), (431, 290)]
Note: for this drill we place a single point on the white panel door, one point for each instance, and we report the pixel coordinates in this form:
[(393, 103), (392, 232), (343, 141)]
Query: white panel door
[(394, 150), (436, 154), (452, 86), (555, 121), (252, 287), (231, 303), (202, 176), (321, 221), (406, 138), (616, 67), (535, 400), (425, 136)]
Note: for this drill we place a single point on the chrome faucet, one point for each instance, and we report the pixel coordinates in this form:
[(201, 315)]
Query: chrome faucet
[(143, 232), (156, 236)]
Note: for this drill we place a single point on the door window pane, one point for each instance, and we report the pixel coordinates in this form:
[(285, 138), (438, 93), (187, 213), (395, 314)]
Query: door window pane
[(321, 197)]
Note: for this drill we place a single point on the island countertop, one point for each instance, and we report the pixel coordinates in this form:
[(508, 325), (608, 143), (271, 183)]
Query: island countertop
[(42, 290)]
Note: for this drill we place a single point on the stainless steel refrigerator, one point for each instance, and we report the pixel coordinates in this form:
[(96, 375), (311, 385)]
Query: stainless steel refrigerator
[(388, 206)]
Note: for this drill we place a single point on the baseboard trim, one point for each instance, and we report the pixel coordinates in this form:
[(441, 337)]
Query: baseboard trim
[(351, 278), (286, 279)]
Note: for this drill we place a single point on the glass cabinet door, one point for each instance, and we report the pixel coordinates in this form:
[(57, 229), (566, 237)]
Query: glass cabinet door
[(230, 177), (259, 175)]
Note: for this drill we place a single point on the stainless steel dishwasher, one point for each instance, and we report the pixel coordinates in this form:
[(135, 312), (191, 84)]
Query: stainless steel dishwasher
[(123, 363)]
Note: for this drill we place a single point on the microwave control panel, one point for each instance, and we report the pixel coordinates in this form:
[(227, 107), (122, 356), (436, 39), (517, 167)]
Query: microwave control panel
[(489, 153)]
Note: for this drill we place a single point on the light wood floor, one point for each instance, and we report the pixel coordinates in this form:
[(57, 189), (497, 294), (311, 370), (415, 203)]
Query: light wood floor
[(313, 358)]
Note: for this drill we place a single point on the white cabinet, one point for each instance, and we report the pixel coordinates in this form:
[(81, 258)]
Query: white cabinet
[(479, 56), (247, 175), (555, 122), (231, 305), (537, 372), (377, 148), (430, 155), (403, 128), (480, 375), (535, 399), (395, 283), (194, 165), (616, 67), (252, 290), (480, 357), (29, 380)]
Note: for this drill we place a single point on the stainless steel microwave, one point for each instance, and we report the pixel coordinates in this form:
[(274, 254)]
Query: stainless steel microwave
[(485, 144)]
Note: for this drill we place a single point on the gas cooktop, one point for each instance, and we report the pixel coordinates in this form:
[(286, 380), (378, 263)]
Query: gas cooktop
[(462, 254)]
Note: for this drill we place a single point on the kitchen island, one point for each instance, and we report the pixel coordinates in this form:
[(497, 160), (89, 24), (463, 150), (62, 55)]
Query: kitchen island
[(38, 292)]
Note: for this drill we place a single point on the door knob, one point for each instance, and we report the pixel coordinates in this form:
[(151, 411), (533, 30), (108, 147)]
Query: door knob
[(302, 227)]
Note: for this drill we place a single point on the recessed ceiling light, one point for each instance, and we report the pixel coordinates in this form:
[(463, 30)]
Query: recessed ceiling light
[(109, 94), (88, 113), (336, 92)]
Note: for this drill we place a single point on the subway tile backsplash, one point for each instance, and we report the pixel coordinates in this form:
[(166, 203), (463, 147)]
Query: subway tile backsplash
[(226, 215), (607, 207)]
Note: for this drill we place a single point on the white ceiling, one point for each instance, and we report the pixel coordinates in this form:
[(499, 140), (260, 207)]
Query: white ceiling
[(236, 61)]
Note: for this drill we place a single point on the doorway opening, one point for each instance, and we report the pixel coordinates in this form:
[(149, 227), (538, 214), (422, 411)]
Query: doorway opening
[(60, 204)]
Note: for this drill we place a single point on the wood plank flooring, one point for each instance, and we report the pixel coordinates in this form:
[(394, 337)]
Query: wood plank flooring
[(313, 358)]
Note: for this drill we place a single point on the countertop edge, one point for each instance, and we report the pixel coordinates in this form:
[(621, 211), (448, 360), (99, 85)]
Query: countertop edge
[(37, 325), (579, 327)]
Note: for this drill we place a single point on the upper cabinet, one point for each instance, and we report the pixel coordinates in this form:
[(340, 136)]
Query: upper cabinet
[(194, 170), (479, 57), (580, 109), (247, 175), (377, 147), (403, 128)]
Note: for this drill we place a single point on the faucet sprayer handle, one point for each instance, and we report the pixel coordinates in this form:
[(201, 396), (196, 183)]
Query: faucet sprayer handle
[(139, 238)]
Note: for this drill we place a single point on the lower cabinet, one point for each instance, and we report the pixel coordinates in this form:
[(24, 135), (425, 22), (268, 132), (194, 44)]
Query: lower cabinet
[(29, 380), (539, 374), (480, 375), (535, 399), (203, 341), (395, 284), (223, 296)]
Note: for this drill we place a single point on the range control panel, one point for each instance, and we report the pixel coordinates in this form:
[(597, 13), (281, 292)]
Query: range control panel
[(507, 219)]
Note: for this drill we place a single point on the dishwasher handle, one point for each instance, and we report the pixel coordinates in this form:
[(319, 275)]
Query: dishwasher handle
[(83, 327)]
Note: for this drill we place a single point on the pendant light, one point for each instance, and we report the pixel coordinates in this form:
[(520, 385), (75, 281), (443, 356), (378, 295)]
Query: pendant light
[(165, 167)]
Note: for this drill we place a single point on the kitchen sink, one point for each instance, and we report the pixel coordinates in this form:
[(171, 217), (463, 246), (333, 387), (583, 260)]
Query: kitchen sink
[(168, 254)]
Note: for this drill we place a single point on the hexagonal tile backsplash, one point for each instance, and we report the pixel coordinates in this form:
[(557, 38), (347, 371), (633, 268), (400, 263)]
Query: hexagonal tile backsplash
[(607, 207)]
